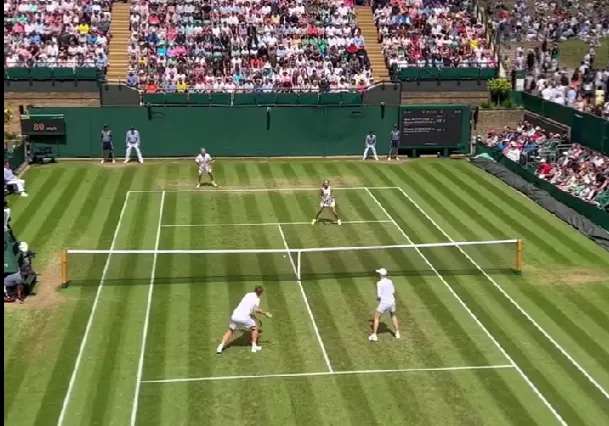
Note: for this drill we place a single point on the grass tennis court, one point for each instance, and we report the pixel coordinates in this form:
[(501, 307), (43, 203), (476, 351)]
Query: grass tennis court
[(132, 339)]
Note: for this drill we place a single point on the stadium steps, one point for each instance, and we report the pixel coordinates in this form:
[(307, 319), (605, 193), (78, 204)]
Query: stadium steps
[(365, 21), (118, 59)]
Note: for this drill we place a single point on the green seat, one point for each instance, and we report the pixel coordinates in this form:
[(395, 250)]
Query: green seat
[(154, 98), (265, 98), (86, 73), (308, 98), (19, 73), (199, 98), (287, 98), (63, 74), (329, 99), (220, 98), (244, 99), (41, 73), (176, 98)]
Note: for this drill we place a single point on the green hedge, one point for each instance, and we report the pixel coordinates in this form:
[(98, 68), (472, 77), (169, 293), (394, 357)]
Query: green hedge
[(253, 99), (416, 73), (44, 73), (586, 129)]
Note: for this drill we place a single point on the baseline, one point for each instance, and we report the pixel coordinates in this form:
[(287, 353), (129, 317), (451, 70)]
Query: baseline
[(85, 338), (474, 317), (511, 300), (211, 225), (294, 189), (333, 373)]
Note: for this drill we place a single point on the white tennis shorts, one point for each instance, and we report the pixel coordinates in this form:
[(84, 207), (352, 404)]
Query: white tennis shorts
[(236, 323), (386, 308), (205, 170), (327, 204)]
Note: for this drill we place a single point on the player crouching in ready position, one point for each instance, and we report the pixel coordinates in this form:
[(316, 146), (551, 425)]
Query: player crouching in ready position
[(204, 161), (385, 293), (243, 317), (327, 201)]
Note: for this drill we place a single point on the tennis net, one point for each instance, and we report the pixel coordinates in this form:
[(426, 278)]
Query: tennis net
[(186, 266)]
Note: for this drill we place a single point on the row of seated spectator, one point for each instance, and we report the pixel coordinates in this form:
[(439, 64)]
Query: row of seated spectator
[(431, 33), (575, 169), (56, 33), (237, 45)]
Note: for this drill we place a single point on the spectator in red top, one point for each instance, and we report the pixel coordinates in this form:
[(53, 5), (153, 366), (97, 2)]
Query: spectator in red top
[(544, 169)]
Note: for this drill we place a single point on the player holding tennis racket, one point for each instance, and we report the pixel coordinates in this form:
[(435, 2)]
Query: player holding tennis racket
[(327, 201), (204, 162), (243, 317)]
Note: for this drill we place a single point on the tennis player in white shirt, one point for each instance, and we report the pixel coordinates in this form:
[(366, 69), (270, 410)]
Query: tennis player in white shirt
[(204, 162), (385, 294), (242, 317)]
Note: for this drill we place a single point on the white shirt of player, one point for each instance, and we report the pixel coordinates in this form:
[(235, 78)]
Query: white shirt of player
[(326, 194), (204, 162), (385, 291), (247, 305)]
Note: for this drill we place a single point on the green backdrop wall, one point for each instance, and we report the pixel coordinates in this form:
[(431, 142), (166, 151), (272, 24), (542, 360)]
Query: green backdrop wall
[(228, 131)]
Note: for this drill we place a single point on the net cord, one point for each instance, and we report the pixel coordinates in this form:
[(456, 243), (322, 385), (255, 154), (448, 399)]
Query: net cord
[(297, 251)]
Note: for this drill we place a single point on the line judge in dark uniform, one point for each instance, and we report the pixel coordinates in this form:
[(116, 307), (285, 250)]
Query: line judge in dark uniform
[(394, 143), (107, 145)]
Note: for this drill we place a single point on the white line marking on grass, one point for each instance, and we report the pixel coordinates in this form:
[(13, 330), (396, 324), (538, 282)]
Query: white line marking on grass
[(306, 301), (332, 373), (474, 317), (211, 225), (207, 190), (85, 338), (140, 367), (512, 301)]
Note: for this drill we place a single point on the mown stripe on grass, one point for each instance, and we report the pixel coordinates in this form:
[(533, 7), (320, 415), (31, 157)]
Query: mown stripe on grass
[(545, 386), (571, 240), (151, 407), (301, 393), (462, 341), (68, 349), (567, 325)]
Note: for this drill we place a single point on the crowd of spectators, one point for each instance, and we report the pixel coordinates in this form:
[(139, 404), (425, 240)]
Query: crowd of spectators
[(539, 20), (585, 89), (238, 45), (570, 167), (56, 33), (432, 33)]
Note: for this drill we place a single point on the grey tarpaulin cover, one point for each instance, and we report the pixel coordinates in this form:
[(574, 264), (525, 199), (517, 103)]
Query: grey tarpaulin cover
[(545, 200)]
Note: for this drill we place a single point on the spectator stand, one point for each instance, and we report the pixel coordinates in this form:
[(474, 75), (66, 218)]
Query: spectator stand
[(442, 41), (228, 46), (48, 40)]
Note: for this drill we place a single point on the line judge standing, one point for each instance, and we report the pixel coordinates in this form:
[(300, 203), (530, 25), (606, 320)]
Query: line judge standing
[(133, 143), (370, 145), (394, 144), (107, 145)]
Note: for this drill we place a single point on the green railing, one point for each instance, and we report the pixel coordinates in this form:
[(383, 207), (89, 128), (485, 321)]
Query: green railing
[(251, 99), (586, 129), (46, 73), (447, 73)]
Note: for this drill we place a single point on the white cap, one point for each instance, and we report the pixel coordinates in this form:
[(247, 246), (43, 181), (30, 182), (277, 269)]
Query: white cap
[(23, 247), (382, 272)]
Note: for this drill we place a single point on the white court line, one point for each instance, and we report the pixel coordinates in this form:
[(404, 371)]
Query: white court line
[(331, 373), (140, 366), (211, 225), (204, 190), (306, 301), (474, 317), (512, 301), (85, 338)]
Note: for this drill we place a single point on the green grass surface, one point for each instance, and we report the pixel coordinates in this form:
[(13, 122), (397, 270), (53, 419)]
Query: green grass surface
[(551, 321)]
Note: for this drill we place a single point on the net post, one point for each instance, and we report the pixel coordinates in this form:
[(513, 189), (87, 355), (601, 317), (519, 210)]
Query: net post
[(519, 257), (298, 264), (64, 269)]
